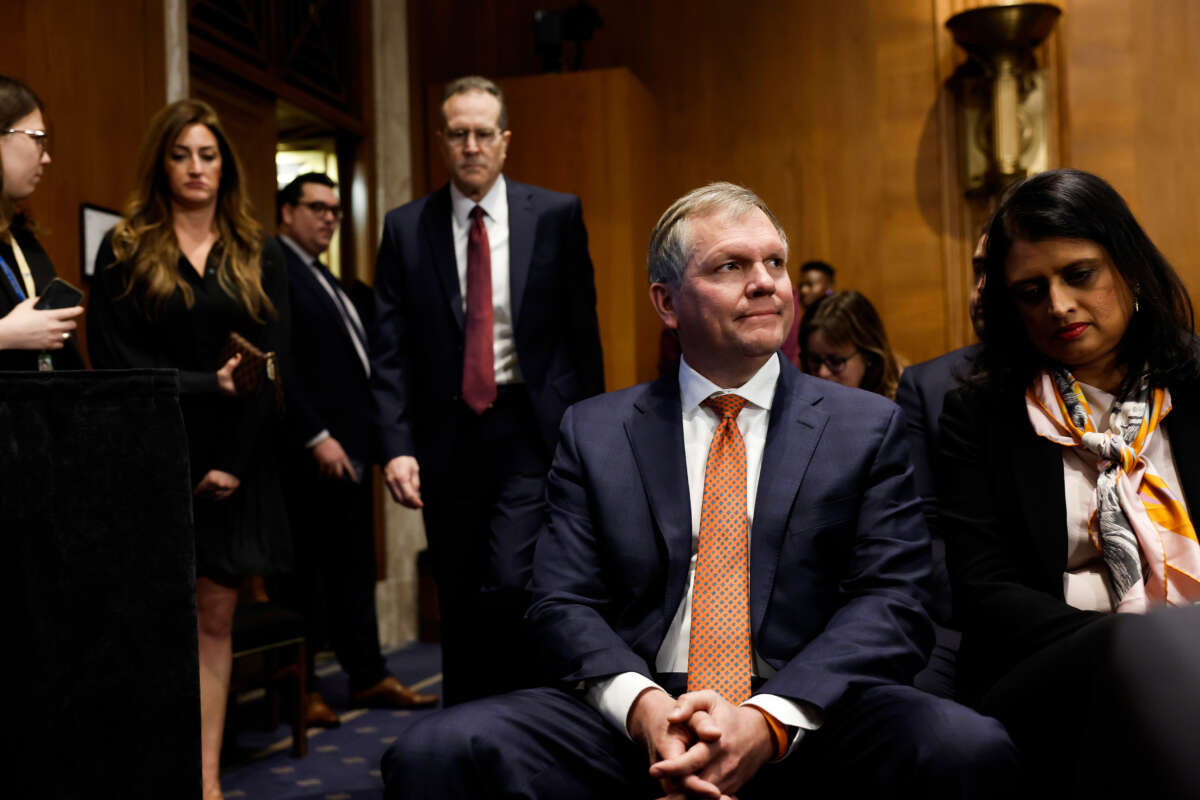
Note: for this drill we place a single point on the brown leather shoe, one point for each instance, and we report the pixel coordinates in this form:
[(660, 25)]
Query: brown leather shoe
[(391, 693), (319, 714)]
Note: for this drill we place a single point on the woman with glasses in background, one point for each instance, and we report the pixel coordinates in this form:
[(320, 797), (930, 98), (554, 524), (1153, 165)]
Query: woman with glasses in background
[(842, 340), (187, 266), (29, 338)]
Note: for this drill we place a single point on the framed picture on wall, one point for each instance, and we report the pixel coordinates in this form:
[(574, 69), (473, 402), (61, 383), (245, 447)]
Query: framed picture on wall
[(94, 222)]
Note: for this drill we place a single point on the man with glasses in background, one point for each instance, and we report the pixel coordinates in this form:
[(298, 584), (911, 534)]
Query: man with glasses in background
[(487, 332), (331, 413)]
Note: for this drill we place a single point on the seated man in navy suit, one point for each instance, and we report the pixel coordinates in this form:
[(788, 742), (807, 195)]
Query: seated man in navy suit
[(730, 584)]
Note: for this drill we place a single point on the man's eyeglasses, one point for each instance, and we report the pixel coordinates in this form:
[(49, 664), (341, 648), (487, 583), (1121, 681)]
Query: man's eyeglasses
[(41, 137), (835, 364), (484, 137), (321, 209)]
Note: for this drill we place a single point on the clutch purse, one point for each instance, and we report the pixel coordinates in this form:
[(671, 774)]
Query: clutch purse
[(255, 370)]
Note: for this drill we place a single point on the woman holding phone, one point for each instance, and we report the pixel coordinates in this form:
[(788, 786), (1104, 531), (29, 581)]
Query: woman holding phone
[(187, 267), (30, 338)]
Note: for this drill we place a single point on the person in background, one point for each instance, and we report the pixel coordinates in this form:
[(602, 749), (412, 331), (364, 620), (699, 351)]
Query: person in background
[(1068, 470), (329, 484), (817, 280), (187, 266), (29, 338), (843, 340), (922, 391), (487, 331)]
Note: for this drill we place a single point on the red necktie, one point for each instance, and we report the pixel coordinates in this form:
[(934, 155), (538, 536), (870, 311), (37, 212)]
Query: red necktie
[(719, 646), (479, 372)]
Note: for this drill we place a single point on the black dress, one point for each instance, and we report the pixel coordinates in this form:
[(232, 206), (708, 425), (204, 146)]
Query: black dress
[(43, 272), (247, 533)]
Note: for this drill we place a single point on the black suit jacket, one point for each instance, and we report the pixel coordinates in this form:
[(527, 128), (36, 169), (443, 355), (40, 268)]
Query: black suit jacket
[(418, 353), (838, 553), (1002, 510), (327, 386), (43, 272)]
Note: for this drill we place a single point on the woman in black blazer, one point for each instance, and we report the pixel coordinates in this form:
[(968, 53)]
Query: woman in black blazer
[(29, 338), (1062, 500)]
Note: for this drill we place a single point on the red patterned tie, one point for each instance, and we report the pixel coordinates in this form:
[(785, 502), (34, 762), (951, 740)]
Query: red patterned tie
[(479, 372), (719, 648)]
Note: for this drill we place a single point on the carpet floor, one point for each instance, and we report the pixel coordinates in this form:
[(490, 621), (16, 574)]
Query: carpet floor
[(342, 763)]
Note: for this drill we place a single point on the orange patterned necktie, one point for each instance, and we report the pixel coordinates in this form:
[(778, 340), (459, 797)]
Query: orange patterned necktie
[(719, 647)]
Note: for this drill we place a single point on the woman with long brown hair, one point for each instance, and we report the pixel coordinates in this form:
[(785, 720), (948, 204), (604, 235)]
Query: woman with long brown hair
[(29, 338), (187, 266), (842, 339)]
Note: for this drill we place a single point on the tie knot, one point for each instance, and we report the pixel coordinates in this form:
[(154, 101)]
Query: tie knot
[(476, 213), (727, 405)]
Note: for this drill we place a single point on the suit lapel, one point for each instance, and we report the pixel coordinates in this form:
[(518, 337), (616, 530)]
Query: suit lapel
[(439, 238), (793, 431), (1037, 470), (522, 224), (655, 432), (307, 282)]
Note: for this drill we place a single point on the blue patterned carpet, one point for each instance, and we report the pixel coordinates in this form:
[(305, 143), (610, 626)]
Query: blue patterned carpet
[(342, 764)]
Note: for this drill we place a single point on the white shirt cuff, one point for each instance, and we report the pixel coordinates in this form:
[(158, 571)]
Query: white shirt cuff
[(797, 716), (613, 697), (316, 440)]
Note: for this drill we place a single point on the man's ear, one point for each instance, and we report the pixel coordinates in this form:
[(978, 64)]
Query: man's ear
[(286, 212), (662, 297)]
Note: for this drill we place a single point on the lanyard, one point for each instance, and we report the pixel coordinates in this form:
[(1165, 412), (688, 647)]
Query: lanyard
[(12, 279), (26, 275)]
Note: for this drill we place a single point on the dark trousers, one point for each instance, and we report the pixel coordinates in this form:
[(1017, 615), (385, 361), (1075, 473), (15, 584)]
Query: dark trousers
[(482, 521), (334, 583), (1112, 710), (890, 741)]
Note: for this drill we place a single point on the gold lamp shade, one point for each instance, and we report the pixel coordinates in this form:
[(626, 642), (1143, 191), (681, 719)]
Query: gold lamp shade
[(1002, 39), (990, 29)]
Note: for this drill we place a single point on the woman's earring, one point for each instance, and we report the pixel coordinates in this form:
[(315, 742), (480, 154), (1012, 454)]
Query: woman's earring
[(1136, 307)]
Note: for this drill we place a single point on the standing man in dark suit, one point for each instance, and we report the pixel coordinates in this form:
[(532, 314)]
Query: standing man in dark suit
[(731, 578), (487, 332), (331, 413)]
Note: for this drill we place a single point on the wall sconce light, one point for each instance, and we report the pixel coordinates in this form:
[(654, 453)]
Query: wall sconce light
[(1001, 93)]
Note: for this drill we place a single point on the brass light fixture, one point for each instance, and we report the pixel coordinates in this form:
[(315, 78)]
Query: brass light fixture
[(1001, 93)]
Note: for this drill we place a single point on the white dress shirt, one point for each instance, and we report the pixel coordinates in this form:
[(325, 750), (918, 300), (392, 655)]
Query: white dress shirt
[(495, 222), (342, 302), (1086, 582), (614, 696)]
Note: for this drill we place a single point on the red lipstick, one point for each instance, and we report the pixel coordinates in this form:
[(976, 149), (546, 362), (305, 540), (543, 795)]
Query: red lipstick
[(1069, 333)]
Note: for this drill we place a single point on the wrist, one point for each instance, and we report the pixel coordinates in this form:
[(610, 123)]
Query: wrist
[(642, 710), (776, 734)]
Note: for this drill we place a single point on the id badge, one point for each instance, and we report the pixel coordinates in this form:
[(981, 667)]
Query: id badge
[(45, 364)]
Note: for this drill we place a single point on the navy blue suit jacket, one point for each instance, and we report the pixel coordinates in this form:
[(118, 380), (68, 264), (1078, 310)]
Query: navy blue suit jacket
[(839, 550), (327, 386), (418, 353), (921, 395)]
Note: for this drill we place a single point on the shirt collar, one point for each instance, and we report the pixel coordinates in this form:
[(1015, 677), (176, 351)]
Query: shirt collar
[(694, 388), (494, 203), (305, 256)]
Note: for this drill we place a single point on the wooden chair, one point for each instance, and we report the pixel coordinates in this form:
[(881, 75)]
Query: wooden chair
[(274, 632)]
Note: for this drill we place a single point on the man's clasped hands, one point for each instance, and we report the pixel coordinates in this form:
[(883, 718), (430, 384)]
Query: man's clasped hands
[(699, 744)]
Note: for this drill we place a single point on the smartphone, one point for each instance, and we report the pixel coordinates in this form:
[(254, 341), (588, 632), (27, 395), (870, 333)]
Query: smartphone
[(59, 294)]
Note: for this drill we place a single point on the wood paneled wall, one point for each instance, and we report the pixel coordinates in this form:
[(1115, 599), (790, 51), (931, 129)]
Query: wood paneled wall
[(100, 69), (837, 115)]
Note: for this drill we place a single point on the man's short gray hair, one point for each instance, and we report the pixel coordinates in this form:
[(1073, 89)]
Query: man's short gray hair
[(474, 83), (670, 241)]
